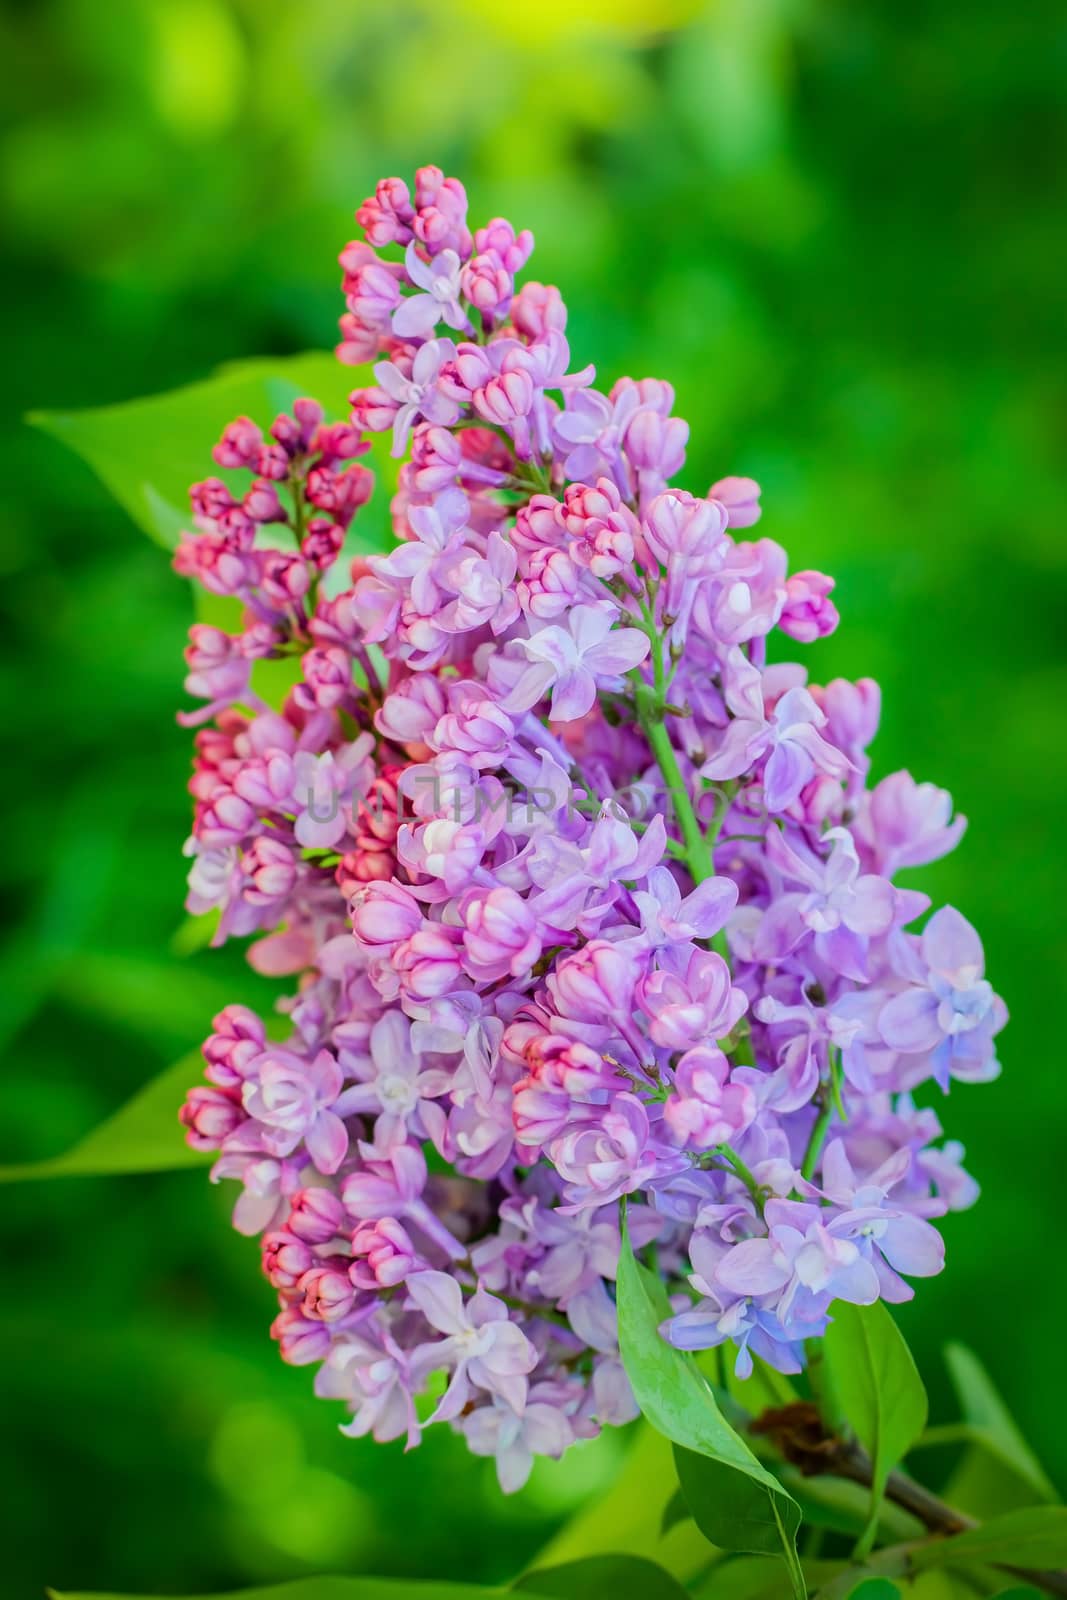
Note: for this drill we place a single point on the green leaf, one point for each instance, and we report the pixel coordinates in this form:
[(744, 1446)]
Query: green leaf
[(991, 1423), (877, 1385), (148, 451), (677, 1401), (628, 1518), (843, 1507), (675, 1511), (874, 1589), (725, 1509), (879, 1569), (759, 1578), (142, 1136), (337, 1589), (1034, 1537), (598, 1576)]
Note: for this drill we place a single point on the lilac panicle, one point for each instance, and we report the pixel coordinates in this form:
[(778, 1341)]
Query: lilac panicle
[(578, 898)]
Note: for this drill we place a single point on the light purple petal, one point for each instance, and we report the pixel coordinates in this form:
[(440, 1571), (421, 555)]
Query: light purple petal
[(440, 1299), (911, 1246), (751, 1268), (949, 943), (909, 1022), (327, 1142)]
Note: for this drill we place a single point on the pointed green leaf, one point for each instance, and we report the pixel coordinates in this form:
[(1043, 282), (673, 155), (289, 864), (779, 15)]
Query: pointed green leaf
[(676, 1399), (725, 1509), (1034, 1537), (598, 1576), (990, 1421), (142, 1136), (675, 1511), (877, 1385), (148, 451)]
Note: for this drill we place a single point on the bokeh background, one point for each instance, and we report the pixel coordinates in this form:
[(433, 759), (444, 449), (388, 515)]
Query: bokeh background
[(838, 229)]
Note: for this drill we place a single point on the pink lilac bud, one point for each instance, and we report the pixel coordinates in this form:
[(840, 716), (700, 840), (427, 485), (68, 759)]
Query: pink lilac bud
[(537, 523), (286, 579), (808, 613), (385, 915), (594, 983), (270, 866), (210, 500), (285, 1258), (340, 493), (316, 1215), (537, 309), (707, 1109), (428, 963), (386, 218), (513, 249), (690, 1004), (506, 401), (602, 527), (218, 671), (655, 445), (500, 935), (327, 679), (322, 543), (487, 284), (300, 1340), (384, 1254), (239, 1037), (240, 444), (551, 583), (262, 503), (329, 1294), (210, 1116), (441, 213), (740, 496)]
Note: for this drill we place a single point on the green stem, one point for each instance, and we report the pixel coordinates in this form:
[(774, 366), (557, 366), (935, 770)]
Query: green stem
[(697, 846), (745, 1173), (818, 1134)]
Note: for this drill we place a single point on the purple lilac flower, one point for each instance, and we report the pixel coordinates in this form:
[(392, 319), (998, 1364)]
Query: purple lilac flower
[(578, 897)]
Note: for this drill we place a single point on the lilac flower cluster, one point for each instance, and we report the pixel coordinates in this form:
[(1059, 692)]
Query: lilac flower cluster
[(586, 900)]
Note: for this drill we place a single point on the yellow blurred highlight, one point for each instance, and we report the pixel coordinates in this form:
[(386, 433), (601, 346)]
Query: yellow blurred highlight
[(545, 23), (199, 70)]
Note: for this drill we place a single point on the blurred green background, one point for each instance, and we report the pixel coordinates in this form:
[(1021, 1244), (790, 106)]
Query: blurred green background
[(837, 228)]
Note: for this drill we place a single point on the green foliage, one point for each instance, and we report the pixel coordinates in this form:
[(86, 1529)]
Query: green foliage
[(762, 1388), (675, 1398), (630, 1517), (874, 1589), (345, 1589), (724, 1507), (142, 1136), (839, 319), (1034, 1537), (989, 1422), (596, 1577), (149, 451), (875, 1381)]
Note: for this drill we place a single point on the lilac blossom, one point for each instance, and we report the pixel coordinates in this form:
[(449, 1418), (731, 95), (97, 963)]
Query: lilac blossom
[(584, 893)]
